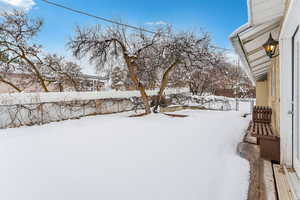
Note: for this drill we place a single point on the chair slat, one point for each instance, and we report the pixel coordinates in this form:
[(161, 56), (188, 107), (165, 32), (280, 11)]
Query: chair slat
[(261, 123)]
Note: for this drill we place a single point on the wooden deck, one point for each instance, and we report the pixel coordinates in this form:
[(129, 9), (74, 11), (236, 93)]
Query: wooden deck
[(283, 188), (268, 181)]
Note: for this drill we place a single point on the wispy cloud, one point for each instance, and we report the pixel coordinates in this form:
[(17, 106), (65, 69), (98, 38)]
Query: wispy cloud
[(156, 23), (16, 4)]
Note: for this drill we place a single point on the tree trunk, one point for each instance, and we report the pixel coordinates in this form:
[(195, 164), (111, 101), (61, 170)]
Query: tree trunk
[(131, 68), (73, 81), (38, 74), (10, 84), (164, 84), (61, 88), (131, 65)]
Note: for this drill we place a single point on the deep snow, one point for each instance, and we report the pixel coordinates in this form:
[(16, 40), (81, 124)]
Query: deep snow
[(114, 157)]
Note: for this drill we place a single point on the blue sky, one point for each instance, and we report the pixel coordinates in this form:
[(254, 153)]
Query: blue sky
[(219, 17)]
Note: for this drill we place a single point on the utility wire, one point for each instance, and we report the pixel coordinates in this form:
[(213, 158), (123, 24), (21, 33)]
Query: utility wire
[(221, 48), (108, 20), (97, 17)]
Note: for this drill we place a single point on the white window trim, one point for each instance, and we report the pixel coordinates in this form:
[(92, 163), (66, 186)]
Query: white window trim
[(289, 27)]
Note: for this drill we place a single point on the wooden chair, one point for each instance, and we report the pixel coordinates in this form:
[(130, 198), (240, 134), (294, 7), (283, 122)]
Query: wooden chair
[(261, 128)]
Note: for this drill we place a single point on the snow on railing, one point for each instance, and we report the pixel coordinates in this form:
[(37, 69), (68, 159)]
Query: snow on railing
[(51, 97)]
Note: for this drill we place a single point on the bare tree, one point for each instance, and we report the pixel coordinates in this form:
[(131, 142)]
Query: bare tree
[(200, 82), (63, 72), (187, 51), (16, 30), (99, 44), (237, 81), (229, 79)]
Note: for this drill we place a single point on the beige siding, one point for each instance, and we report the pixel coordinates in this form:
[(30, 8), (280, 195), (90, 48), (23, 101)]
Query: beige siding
[(267, 92), (262, 93), (274, 92)]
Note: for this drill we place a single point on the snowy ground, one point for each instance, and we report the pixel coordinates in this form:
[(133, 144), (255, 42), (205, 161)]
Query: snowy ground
[(114, 157)]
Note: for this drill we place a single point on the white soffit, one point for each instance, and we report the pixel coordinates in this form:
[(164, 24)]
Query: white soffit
[(265, 17), (261, 11), (252, 45)]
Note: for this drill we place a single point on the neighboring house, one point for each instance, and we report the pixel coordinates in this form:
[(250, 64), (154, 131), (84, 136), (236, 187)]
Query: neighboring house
[(92, 83), (28, 84), (276, 78)]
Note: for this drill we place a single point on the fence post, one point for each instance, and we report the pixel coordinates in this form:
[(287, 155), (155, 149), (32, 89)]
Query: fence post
[(83, 109), (251, 105), (42, 113), (224, 104), (237, 105)]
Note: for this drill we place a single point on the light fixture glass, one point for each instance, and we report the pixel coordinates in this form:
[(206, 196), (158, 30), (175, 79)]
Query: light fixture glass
[(270, 46)]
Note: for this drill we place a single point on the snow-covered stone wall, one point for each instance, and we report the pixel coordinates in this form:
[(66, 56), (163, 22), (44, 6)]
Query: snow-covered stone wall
[(21, 109), (50, 97)]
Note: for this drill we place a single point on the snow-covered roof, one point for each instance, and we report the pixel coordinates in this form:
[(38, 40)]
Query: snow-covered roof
[(264, 17)]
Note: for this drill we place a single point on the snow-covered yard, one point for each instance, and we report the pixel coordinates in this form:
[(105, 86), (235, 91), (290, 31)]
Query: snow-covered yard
[(114, 157)]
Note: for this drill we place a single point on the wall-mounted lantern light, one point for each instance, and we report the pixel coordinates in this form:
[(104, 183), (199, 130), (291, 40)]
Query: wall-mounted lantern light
[(270, 46)]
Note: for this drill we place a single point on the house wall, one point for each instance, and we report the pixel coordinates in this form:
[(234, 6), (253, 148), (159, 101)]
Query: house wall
[(274, 93), (268, 93), (289, 26), (262, 93)]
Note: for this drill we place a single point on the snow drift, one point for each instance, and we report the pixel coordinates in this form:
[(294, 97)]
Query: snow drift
[(114, 157)]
